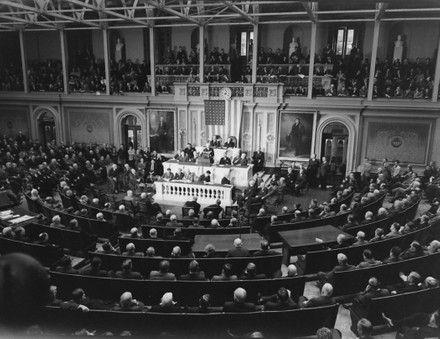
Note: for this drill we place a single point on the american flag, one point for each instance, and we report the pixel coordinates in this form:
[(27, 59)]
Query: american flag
[(214, 112), (227, 121)]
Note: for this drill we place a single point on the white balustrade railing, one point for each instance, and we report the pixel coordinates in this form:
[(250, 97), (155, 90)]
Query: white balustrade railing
[(181, 192)]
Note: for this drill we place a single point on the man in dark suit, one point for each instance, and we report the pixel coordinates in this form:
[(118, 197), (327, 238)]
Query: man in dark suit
[(189, 151), (194, 272), (239, 304), (163, 273), (225, 160), (271, 198), (372, 290), (324, 299), (174, 222), (209, 152), (229, 143), (194, 205), (342, 265), (131, 251), (206, 177), (250, 273), (291, 178), (127, 272), (78, 301), (324, 171), (216, 210), (95, 269), (258, 160), (279, 301), (159, 220), (238, 250), (312, 171), (226, 274), (167, 305), (264, 249), (114, 179), (162, 131)]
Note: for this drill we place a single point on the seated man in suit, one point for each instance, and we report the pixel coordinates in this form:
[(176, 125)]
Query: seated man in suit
[(242, 160), (225, 160), (179, 175), (130, 250), (78, 301), (360, 239), (369, 217), (271, 198), (250, 273), (226, 274), (159, 220), (204, 305), (168, 175), (189, 151), (163, 273), (264, 249), (167, 305), (95, 269), (410, 283), (206, 177), (173, 222), (372, 290), (229, 143), (128, 304), (342, 265), (127, 271), (216, 210), (107, 248), (279, 301), (368, 259), (194, 272), (324, 299), (417, 325), (238, 250), (152, 206), (194, 205), (239, 304)]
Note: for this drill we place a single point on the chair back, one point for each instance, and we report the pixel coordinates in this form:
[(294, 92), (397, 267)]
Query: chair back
[(228, 211), (185, 211)]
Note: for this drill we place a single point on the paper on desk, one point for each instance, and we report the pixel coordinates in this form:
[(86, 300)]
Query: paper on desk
[(21, 219)]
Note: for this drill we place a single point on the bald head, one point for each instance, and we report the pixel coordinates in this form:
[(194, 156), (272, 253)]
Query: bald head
[(327, 290), (240, 295), (292, 271), (238, 243)]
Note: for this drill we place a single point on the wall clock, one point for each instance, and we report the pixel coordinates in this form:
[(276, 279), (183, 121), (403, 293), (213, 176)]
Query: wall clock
[(225, 93)]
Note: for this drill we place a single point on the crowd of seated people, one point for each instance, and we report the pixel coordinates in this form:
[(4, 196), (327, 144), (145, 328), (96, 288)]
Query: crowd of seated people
[(45, 76), (79, 166), (412, 79), (349, 75), (180, 63), (11, 77)]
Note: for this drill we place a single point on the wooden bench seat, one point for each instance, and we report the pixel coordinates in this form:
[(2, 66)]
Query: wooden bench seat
[(204, 325)]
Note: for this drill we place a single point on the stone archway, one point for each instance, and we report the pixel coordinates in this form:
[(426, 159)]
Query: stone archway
[(350, 139), (42, 113), (120, 118)]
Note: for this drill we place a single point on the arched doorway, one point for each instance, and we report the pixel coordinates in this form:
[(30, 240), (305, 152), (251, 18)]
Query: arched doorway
[(131, 131), (46, 128), (334, 146)]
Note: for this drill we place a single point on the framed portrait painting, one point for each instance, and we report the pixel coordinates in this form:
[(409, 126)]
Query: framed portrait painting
[(162, 130), (296, 135)]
